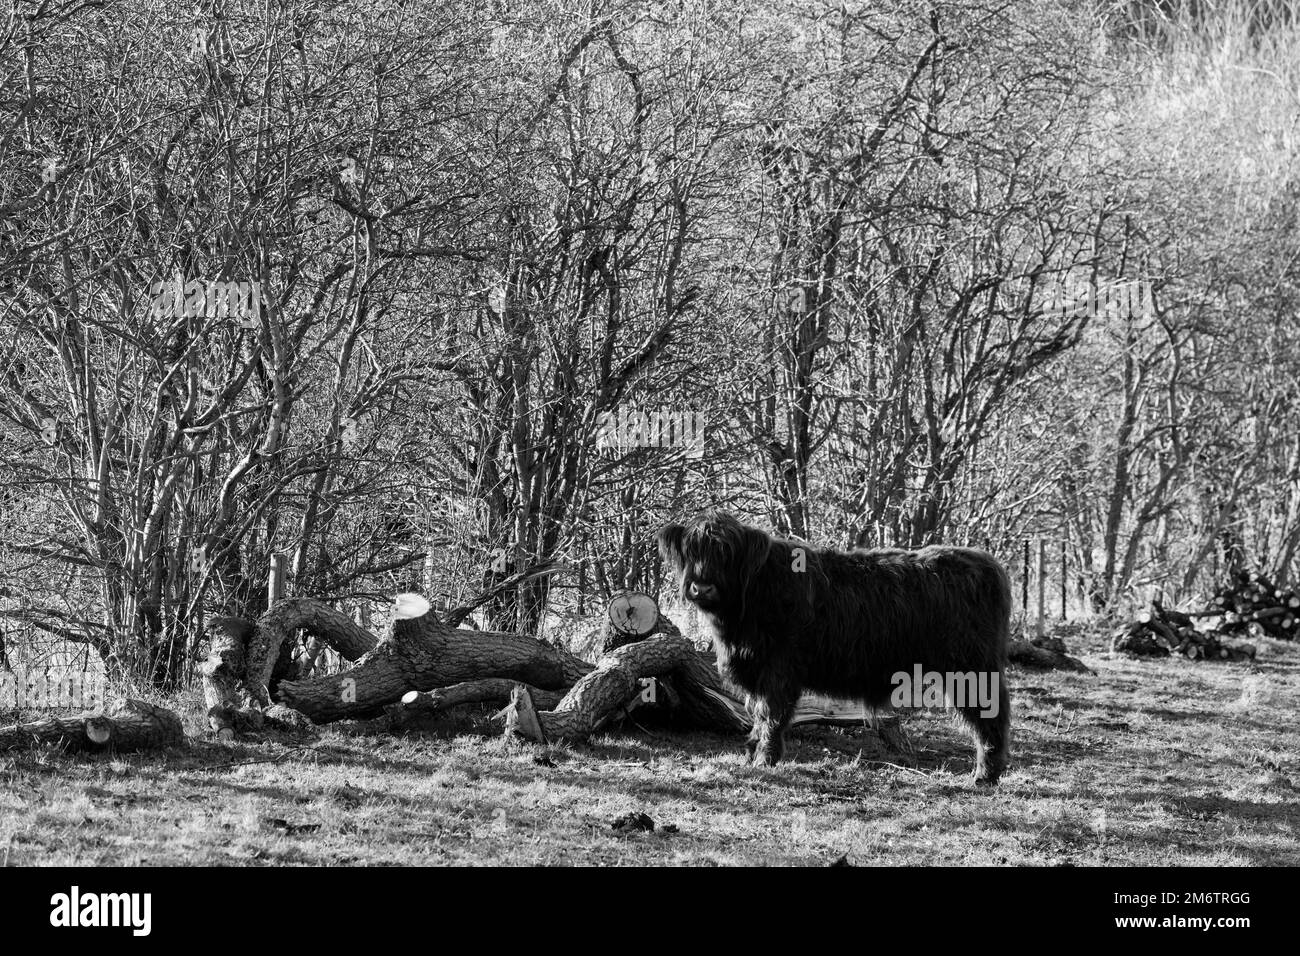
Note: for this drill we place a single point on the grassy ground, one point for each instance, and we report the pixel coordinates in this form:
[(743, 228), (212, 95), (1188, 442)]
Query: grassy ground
[(1163, 763)]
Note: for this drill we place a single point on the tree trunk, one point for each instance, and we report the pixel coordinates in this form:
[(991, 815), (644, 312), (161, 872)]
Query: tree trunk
[(230, 708), (419, 705), (670, 666), (1044, 657), (422, 654), (622, 680), (277, 627), (128, 725), (429, 666)]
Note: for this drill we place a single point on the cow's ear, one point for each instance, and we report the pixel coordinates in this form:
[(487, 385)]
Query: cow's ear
[(670, 543)]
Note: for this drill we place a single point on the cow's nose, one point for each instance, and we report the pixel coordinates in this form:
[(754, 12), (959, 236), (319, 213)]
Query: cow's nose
[(694, 589)]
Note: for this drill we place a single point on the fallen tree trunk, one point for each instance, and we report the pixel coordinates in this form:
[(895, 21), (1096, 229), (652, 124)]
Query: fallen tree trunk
[(127, 725), (623, 678), (419, 654), (702, 699), (418, 705), (277, 627), (422, 654), (246, 661), (637, 674), (429, 666), (1046, 654)]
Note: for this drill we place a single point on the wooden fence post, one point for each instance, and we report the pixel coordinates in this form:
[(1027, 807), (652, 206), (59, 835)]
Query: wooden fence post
[(1024, 584), (275, 580), (1065, 577), (1040, 628)]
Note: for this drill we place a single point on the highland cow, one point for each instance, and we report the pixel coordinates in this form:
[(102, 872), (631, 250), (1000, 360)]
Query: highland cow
[(789, 617)]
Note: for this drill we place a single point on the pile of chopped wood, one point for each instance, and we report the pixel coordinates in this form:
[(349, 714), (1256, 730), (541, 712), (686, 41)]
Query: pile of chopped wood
[(1159, 632), (1251, 606), (1254, 605)]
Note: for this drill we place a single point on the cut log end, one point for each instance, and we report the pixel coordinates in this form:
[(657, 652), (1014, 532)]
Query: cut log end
[(634, 614), (99, 730)]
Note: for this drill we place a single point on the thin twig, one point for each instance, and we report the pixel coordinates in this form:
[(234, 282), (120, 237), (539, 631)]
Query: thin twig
[(245, 763), (886, 763)]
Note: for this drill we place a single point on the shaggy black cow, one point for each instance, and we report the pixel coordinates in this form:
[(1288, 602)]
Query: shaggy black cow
[(789, 617)]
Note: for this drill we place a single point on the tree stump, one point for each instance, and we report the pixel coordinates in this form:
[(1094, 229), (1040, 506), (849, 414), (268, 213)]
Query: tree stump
[(522, 718), (230, 708)]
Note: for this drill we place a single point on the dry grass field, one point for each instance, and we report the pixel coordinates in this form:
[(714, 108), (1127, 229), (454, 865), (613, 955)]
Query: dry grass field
[(1162, 763)]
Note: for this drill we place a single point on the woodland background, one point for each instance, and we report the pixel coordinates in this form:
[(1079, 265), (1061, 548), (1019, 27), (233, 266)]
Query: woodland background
[(477, 227)]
